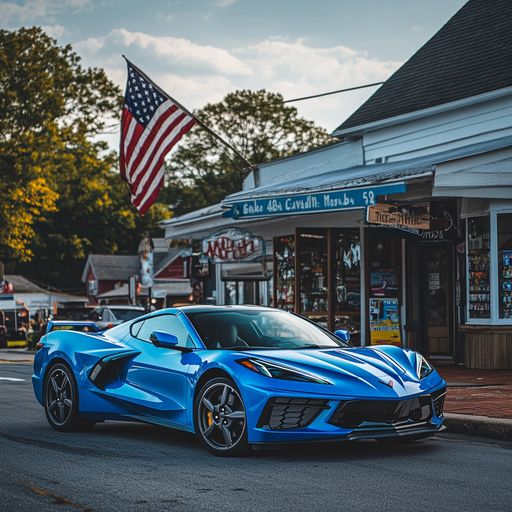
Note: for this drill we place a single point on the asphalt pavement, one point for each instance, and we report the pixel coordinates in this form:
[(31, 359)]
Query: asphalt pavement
[(128, 466)]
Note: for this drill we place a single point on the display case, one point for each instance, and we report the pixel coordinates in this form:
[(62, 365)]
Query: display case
[(284, 272), (504, 227), (347, 282), (312, 272), (478, 251)]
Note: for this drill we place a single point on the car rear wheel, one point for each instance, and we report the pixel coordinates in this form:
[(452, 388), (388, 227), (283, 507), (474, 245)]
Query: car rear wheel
[(61, 400), (220, 418)]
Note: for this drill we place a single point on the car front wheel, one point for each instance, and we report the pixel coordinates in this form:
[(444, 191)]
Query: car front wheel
[(220, 418)]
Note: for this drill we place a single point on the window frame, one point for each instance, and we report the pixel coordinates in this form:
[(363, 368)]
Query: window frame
[(495, 209), (190, 328)]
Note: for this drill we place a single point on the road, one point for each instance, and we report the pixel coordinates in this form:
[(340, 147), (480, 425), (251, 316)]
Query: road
[(127, 466)]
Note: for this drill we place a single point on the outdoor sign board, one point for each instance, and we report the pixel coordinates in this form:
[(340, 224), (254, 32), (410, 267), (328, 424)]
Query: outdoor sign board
[(146, 262), (410, 217), (233, 245), (327, 201), (385, 321)]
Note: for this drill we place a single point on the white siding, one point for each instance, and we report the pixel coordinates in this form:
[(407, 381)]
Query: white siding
[(331, 158), (444, 131)]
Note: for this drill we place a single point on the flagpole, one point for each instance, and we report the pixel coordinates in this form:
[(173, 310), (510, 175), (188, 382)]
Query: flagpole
[(199, 122)]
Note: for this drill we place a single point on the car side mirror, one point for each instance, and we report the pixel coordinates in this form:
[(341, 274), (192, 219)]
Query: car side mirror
[(342, 334), (163, 339)]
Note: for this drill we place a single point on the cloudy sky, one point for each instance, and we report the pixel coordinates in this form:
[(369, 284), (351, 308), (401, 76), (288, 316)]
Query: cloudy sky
[(198, 50)]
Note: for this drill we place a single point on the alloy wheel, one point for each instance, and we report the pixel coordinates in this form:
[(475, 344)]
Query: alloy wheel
[(59, 396), (221, 416)]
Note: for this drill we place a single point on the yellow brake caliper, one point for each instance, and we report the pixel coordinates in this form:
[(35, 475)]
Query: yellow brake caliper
[(209, 418)]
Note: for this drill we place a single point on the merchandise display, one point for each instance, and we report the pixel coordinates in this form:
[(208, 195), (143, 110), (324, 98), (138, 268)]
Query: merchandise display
[(284, 272), (313, 276), (479, 291)]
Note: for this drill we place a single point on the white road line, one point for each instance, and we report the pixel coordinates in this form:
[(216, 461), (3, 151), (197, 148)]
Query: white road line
[(12, 379)]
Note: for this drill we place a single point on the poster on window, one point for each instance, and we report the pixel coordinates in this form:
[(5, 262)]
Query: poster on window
[(384, 322)]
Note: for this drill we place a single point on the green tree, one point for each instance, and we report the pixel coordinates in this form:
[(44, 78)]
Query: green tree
[(258, 124), (60, 197)]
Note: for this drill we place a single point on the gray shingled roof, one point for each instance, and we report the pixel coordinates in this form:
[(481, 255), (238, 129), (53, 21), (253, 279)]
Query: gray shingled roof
[(115, 267), (470, 55), (21, 284)]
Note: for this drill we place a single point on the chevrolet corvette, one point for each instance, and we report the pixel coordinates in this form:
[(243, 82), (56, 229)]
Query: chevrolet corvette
[(237, 376)]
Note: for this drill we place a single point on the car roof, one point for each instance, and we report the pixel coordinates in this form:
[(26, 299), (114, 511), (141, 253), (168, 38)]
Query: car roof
[(121, 306), (72, 322), (212, 308)]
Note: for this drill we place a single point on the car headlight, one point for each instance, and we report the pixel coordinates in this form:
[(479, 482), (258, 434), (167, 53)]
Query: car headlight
[(277, 371), (423, 367)]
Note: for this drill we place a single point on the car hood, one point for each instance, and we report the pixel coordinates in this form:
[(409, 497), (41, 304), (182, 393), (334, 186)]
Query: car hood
[(386, 370)]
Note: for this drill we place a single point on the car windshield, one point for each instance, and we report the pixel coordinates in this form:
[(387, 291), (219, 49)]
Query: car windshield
[(126, 314), (268, 329)]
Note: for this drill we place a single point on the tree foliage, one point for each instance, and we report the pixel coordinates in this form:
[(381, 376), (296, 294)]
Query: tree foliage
[(60, 197), (257, 123)]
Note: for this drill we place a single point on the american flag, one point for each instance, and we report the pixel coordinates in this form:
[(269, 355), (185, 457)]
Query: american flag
[(151, 124)]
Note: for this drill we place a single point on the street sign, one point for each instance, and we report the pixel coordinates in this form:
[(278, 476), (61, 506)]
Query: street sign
[(327, 201)]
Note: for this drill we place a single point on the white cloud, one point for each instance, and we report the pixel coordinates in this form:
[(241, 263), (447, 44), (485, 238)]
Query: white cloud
[(55, 31), (223, 3), (33, 11), (174, 52), (196, 74)]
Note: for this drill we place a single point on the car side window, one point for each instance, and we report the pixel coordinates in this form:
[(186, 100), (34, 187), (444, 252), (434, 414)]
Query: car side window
[(165, 323)]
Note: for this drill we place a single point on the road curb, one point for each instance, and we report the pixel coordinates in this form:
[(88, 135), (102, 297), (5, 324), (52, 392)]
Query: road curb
[(482, 426)]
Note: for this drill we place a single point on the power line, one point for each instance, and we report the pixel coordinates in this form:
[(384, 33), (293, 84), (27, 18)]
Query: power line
[(334, 92)]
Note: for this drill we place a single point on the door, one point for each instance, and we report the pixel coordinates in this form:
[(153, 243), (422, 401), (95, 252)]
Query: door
[(156, 380), (438, 286)]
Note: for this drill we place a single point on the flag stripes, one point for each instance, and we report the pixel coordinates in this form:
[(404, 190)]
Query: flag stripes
[(151, 124)]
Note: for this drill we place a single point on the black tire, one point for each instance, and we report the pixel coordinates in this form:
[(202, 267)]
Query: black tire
[(61, 400), (220, 420)]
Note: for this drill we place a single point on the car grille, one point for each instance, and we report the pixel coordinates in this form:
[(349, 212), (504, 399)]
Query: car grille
[(438, 400), (286, 413), (353, 413)]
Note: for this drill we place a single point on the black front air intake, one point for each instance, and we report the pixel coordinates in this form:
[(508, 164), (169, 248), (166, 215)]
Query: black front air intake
[(353, 413), (286, 413), (438, 400)]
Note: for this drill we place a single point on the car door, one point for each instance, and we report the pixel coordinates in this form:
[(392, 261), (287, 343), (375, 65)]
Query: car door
[(156, 380)]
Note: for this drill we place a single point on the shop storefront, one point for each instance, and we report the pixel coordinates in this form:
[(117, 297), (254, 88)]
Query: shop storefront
[(488, 326), (383, 257)]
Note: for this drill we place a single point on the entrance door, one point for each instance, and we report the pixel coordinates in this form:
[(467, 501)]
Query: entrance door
[(438, 289)]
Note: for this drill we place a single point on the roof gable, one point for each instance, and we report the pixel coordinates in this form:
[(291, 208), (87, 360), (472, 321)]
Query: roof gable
[(112, 267), (470, 55)]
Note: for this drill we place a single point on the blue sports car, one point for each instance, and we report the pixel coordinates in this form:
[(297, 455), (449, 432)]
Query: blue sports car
[(237, 376)]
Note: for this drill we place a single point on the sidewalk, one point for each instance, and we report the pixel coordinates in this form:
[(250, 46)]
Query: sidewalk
[(478, 402), (16, 356), (478, 392)]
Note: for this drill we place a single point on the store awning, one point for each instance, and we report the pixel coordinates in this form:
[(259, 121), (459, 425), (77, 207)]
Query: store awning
[(487, 176)]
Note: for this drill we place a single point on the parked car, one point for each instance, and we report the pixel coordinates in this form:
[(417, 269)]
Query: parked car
[(237, 376), (69, 325), (109, 316)]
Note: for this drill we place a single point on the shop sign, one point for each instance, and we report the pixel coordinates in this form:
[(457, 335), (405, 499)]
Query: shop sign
[(402, 216), (442, 223), (385, 321), (298, 204), (146, 262), (233, 245)]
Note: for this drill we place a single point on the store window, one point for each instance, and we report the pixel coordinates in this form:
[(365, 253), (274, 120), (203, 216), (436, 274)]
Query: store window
[(347, 282), (504, 229), (384, 262), (313, 282), (284, 272), (479, 268), (317, 273)]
